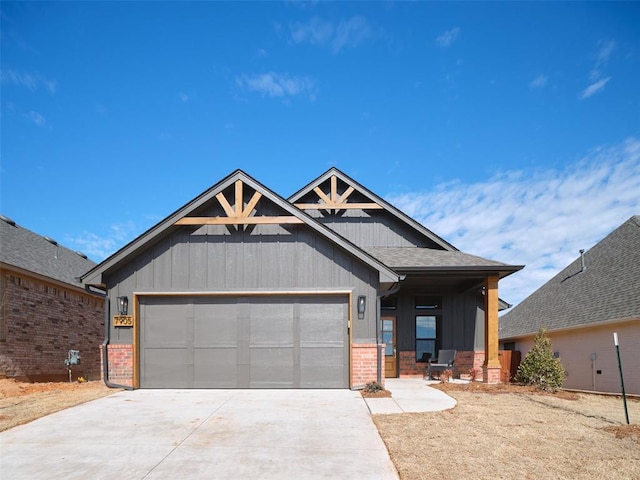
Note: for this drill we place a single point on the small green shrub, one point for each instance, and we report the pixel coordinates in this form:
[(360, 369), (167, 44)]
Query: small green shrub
[(539, 366), (373, 387)]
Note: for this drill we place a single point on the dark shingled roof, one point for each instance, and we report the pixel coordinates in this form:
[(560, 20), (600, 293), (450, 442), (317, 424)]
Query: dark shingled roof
[(431, 259), (29, 251), (608, 289)]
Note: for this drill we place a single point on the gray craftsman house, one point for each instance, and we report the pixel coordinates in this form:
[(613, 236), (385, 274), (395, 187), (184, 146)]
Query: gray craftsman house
[(581, 307), (330, 288)]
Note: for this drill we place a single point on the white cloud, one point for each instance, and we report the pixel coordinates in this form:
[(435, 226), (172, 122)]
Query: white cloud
[(594, 87), (183, 97), (278, 85), (100, 246), (596, 76), (536, 218), (346, 33), (448, 37), (31, 81), (36, 118), (604, 52), (539, 82)]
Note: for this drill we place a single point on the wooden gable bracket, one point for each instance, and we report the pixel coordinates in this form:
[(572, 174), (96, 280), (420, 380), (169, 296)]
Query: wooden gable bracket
[(333, 201), (238, 214)]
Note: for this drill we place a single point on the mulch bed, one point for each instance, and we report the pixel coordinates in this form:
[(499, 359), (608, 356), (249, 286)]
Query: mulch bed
[(501, 388)]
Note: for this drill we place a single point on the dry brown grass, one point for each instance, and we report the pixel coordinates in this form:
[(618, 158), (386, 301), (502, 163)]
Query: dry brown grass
[(515, 432), (22, 402)]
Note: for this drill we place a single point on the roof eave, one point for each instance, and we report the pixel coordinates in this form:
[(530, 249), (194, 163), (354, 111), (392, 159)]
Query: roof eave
[(502, 270)]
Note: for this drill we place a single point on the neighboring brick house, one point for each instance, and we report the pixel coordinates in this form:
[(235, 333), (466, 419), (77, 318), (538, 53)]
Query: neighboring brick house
[(581, 307), (44, 309)]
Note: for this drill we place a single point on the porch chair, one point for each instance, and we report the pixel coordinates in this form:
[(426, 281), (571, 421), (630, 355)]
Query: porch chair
[(445, 361)]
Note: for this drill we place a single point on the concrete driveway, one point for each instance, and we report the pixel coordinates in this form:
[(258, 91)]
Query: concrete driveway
[(237, 434)]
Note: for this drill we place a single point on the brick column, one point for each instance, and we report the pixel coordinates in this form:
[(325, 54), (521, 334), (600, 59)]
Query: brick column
[(120, 364), (364, 364)]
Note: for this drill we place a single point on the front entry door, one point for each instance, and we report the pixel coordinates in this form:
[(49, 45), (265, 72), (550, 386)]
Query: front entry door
[(389, 339)]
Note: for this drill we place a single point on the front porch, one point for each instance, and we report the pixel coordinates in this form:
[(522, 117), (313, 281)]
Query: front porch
[(429, 314)]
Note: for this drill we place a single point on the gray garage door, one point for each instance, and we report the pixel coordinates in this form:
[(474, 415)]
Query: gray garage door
[(244, 342)]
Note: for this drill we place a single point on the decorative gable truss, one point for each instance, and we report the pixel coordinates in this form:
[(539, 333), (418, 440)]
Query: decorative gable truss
[(330, 198), (241, 212)]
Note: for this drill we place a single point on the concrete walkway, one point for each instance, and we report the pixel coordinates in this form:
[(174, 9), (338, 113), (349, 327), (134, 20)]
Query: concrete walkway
[(410, 395)]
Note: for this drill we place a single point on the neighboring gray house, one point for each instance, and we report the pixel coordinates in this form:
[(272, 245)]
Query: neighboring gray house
[(44, 309), (241, 288), (581, 307)]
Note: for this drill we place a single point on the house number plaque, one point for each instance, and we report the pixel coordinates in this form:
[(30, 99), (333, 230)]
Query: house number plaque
[(123, 321)]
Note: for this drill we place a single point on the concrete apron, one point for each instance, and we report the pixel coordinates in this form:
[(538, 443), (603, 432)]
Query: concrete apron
[(241, 434)]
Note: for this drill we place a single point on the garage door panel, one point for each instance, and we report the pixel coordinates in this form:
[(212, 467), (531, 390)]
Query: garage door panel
[(166, 367), (271, 324), (215, 325), (272, 368), (321, 377), (321, 321), (166, 325), (215, 368), (326, 356)]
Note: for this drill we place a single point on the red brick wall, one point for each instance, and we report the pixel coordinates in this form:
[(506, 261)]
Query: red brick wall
[(409, 367), (364, 364), (41, 322), (465, 360), (120, 364)]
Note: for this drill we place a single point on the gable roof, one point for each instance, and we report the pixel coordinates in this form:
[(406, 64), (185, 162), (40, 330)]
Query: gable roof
[(421, 229), (608, 289), (168, 225), (28, 251)]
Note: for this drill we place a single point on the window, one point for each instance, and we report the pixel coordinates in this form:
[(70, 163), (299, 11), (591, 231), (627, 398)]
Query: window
[(428, 326)]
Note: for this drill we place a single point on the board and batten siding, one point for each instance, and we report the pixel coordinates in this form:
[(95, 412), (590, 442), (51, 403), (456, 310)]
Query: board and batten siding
[(373, 228), (462, 320), (270, 258)]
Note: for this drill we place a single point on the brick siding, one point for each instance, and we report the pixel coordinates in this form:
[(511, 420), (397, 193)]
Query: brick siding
[(409, 367), (41, 322), (364, 364), (120, 364), (465, 361)]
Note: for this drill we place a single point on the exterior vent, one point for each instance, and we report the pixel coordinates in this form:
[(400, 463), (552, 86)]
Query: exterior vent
[(81, 255), (7, 220), (51, 240)]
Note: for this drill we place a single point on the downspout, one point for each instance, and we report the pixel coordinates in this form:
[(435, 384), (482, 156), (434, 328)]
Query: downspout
[(107, 339), (393, 290)]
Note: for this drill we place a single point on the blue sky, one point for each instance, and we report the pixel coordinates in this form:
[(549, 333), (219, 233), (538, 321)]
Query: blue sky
[(510, 129)]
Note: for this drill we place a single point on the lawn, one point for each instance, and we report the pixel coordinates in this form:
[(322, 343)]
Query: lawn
[(513, 432)]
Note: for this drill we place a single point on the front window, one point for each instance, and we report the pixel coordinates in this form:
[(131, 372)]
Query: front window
[(428, 326)]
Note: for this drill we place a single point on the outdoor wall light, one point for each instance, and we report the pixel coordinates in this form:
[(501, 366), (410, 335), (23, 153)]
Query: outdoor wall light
[(362, 305), (123, 305)]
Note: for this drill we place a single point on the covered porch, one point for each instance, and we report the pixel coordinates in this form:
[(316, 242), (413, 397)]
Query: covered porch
[(452, 304)]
